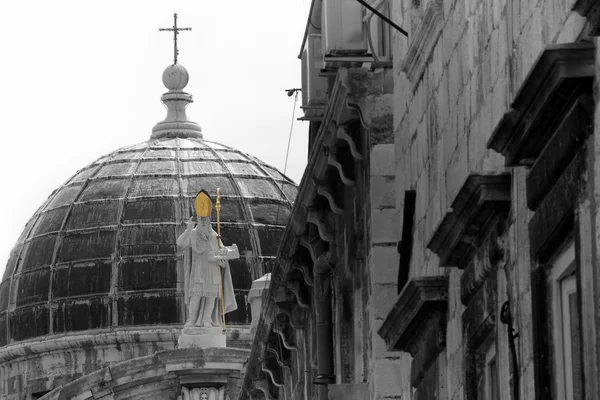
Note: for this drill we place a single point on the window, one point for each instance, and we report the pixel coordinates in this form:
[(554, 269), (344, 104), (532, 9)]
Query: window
[(566, 327), (485, 368), (492, 389)]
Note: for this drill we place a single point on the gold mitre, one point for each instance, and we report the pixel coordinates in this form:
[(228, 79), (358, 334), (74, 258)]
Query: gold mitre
[(203, 204)]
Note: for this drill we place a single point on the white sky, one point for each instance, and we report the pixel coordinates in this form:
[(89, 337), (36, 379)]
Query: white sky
[(81, 79)]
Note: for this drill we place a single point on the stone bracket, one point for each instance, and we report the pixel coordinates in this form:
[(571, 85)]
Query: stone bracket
[(333, 160), (279, 327), (295, 314), (300, 291), (323, 222), (335, 202), (481, 198), (263, 386), (273, 371), (342, 134), (280, 358), (316, 246), (306, 272)]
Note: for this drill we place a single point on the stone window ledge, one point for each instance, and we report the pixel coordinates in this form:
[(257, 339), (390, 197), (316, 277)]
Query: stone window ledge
[(417, 323)]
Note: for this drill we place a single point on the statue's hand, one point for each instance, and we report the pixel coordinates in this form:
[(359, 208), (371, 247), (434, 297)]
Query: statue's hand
[(221, 262), (189, 224)]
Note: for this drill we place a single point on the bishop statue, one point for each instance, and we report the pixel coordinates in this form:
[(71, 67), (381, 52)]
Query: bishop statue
[(208, 287)]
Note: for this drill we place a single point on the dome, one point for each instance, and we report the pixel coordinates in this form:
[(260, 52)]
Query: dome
[(100, 252)]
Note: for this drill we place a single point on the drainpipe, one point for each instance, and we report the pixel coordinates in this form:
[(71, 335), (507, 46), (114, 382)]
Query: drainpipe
[(324, 324)]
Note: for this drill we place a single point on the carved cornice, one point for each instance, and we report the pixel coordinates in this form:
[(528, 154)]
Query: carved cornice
[(462, 230), (417, 323), (560, 75), (423, 42)]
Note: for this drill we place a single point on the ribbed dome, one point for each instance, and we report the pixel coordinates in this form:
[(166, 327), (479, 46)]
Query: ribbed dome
[(101, 251)]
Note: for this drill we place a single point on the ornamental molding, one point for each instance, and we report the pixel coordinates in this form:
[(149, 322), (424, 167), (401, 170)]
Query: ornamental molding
[(417, 323), (481, 199), (561, 74), (423, 42)]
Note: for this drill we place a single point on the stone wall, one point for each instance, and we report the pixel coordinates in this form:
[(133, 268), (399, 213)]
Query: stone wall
[(455, 77)]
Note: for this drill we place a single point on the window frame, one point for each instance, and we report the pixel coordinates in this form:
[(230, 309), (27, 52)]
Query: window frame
[(562, 273), (492, 382)]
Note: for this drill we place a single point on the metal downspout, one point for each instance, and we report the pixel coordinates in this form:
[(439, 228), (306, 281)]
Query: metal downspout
[(324, 325)]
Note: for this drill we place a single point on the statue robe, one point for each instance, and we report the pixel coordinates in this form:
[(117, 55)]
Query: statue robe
[(202, 274)]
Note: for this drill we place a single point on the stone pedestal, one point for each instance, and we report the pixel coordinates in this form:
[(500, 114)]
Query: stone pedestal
[(197, 337), (259, 286)]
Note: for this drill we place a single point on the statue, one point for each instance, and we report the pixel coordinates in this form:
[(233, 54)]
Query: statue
[(208, 287)]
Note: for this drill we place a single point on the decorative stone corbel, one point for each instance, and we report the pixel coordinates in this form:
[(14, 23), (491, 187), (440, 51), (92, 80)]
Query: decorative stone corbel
[(282, 359), (333, 160), (273, 370), (342, 134), (300, 291), (492, 256), (315, 245), (305, 270), (326, 190), (295, 314), (263, 386), (323, 222), (279, 327)]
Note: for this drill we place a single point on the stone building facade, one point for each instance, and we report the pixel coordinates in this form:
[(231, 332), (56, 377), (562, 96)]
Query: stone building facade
[(443, 244)]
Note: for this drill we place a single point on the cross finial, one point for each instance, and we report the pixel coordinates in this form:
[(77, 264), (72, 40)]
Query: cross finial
[(175, 31)]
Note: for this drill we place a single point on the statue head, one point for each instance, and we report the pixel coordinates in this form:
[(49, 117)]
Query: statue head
[(204, 221)]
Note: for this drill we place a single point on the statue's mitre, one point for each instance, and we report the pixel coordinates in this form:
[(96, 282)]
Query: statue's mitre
[(203, 204)]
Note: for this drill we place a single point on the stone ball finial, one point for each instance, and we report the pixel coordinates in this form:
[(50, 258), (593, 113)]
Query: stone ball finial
[(175, 77)]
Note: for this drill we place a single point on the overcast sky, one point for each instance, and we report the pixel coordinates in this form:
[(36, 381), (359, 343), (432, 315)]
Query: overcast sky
[(82, 79)]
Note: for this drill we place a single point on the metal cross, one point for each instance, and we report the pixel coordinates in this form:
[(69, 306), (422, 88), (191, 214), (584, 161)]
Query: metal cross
[(175, 31)]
